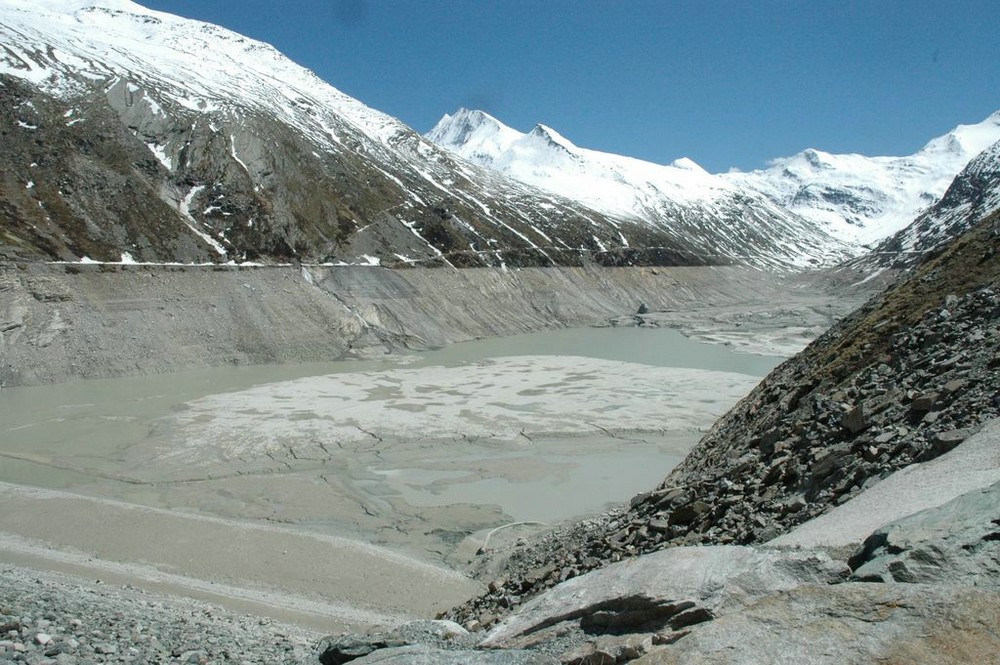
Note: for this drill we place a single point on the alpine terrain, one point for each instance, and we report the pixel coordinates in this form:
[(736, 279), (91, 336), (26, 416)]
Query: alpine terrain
[(693, 418), (824, 200), (123, 142)]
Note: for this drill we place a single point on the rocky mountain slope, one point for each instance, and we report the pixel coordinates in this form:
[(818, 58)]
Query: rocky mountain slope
[(904, 380), (134, 135), (972, 196), (815, 200), (123, 141)]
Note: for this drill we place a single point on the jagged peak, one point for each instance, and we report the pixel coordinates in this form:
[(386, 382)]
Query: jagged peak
[(458, 127), (473, 134)]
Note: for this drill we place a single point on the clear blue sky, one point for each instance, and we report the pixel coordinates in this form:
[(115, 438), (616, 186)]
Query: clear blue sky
[(728, 83)]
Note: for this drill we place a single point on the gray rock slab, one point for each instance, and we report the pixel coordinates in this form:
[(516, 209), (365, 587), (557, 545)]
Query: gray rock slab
[(973, 464), (428, 655), (958, 542), (847, 624), (671, 588)]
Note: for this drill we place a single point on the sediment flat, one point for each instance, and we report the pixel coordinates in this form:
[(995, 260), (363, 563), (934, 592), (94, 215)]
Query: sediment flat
[(336, 583)]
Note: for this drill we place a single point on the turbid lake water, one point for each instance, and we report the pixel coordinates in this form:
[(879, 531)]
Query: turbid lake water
[(86, 434)]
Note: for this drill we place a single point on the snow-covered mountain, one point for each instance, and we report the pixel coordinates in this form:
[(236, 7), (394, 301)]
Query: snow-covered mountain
[(973, 195), (133, 134), (855, 200), (136, 135), (865, 199), (680, 198)]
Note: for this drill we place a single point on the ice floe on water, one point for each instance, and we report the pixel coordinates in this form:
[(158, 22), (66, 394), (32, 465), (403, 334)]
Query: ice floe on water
[(513, 399)]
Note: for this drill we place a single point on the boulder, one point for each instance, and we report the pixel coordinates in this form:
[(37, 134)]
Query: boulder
[(855, 420)]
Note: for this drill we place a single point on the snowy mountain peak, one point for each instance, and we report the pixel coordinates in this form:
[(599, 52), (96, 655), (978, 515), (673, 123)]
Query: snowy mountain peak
[(461, 127), (865, 199), (553, 137), (681, 199), (475, 135), (965, 141), (687, 164)]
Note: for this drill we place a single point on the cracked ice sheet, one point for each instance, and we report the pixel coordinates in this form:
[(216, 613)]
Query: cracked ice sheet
[(529, 437), (503, 401)]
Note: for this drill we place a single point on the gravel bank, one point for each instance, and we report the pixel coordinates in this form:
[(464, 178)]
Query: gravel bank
[(49, 619)]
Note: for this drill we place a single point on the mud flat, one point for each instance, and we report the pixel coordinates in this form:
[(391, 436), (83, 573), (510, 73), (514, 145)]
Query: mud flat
[(339, 498), (347, 494)]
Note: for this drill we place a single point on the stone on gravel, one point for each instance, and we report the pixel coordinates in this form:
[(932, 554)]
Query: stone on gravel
[(128, 625)]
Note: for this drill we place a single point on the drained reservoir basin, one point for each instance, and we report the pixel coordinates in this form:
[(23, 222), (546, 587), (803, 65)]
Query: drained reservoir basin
[(416, 454)]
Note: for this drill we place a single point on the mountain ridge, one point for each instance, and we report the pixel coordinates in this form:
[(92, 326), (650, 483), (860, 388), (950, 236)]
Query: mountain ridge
[(244, 155), (680, 197), (857, 199)]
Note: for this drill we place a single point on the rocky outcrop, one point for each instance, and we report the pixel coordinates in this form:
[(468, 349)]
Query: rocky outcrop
[(852, 624), (431, 642), (957, 543), (665, 592)]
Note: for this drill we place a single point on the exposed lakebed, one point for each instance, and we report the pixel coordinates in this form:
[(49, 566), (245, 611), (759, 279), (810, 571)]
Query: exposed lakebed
[(420, 453)]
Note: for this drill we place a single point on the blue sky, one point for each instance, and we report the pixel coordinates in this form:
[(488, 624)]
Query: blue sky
[(730, 83)]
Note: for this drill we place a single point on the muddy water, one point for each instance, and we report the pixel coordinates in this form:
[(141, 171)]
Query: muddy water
[(85, 435)]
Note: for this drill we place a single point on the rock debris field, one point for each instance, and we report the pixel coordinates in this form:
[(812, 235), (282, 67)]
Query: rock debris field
[(51, 619)]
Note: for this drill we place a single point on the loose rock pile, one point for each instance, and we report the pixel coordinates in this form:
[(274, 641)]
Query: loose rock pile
[(51, 620), (902, 380)]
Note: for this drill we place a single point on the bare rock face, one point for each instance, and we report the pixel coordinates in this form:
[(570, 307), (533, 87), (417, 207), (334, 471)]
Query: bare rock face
[(957, 543), (664, 591), (849, 624)]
